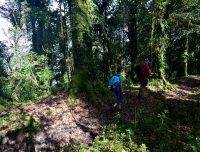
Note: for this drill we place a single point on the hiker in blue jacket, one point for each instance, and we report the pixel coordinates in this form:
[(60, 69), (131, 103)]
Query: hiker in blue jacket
[(119, 89)]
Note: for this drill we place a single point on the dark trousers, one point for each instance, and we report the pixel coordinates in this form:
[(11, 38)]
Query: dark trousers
[(118, 93)]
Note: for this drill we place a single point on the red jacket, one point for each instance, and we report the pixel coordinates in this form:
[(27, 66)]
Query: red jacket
[(146, 71)]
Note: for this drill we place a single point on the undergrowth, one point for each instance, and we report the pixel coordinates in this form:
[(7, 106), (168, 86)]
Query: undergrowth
[(197, 91), (115, 138), (154, 132), (172, 129)]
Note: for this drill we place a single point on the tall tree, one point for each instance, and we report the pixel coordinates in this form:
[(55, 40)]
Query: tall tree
[(183, 34), (3, 74), (64, 38), (81, 26), (159, 36), (132, 35), (104, 20)]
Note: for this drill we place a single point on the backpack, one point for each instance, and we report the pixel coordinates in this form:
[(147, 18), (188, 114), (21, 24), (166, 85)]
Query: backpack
[(139, 70), (114, 81)]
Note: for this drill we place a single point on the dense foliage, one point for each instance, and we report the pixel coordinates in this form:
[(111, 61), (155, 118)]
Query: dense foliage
[(76, 45), (100, 35)]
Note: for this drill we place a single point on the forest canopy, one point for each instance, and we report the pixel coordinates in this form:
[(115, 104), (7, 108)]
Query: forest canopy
[(77, 45)]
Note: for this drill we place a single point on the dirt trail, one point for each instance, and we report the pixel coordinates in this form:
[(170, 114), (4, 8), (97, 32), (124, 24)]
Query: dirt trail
[(185, 88), (63, 124)]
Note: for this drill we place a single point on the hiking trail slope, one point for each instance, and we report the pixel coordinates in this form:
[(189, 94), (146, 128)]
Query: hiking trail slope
[(64, 124)]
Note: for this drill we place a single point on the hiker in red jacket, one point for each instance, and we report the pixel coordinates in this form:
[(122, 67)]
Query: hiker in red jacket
[(144, 79)]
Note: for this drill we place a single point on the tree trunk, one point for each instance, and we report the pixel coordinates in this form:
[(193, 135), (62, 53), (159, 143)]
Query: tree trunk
[(160, 42), (132, 35), (108, 60), (83, 76), (63, 46), (185, 56)]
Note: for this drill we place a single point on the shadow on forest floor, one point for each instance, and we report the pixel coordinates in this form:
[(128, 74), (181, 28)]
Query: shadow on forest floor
[(62, 124)]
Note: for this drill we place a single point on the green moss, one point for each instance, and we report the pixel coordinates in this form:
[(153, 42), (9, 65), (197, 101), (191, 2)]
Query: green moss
[(52, 110), (100, 88), (2, 108), (80, 84), (90, 92), (75, 88), (32, 126), (26, 118), (72, 100)]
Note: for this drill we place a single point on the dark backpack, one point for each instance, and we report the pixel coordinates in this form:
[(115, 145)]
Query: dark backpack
[(139, 70)]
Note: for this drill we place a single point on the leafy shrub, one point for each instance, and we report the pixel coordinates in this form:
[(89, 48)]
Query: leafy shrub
[(30, 78)]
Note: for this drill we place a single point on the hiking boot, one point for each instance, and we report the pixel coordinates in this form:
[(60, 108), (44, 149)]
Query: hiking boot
[(142, 98), (139, 96), (113, 108)]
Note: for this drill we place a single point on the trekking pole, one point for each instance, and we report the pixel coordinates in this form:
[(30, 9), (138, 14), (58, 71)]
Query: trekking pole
[(135, 114), (157, 84)]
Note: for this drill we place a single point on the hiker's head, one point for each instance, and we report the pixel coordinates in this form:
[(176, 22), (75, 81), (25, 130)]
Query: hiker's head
[(146, 60), (119, 69)]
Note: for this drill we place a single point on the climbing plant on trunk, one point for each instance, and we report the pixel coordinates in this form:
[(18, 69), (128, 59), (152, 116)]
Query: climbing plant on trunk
[(160, 35), (83, 76)]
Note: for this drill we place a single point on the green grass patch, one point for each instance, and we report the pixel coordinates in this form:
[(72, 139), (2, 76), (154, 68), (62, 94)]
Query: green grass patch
[(32, 126)]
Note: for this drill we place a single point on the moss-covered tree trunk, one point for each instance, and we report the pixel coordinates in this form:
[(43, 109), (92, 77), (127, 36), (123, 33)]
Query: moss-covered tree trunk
[(84, 75), (62, 43), (185, 56), (160, 36), (132, 35), (108, 60), (108, 56)]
